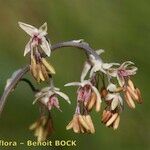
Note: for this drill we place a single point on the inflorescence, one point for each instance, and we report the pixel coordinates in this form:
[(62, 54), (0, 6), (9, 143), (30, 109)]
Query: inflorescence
[(110, 83)]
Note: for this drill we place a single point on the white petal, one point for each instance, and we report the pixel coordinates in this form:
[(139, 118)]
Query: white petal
[(113, 72), (28, 48), (73, 84), (126, 64), (63, 95), (28, 28), (97, 93), (109, 65), (93, 70), (43, 29), (114, 103), (111, 87), (85, 70), (46, 89), (120, 99), (44, 100), (100, 51), (56, 89), (46, 46), (120, 81), (110, 96)]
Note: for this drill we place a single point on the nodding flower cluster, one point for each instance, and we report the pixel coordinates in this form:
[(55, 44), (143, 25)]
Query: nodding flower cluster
[(110, 83)]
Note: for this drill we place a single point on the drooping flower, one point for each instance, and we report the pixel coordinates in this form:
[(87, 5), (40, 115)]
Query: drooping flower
[(94, 64), (87, 94), (110, 118), (39, 67), (113, 97), (87, 97), (81, 124), (123, 72), (131, 94), (42, 128), (49, 97), (37, 38), (114, 101)]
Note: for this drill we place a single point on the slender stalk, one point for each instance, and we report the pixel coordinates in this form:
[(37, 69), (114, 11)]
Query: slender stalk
[(30, 84), (74, 43), (11, 86)]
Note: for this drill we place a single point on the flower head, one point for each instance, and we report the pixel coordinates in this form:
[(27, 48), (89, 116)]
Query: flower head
[(123, 72), (110, 118), (81, 124), (42, 128), (114, 101), (132, 94), (114, 98), (86, 93), (49, 97), (94, 64), (37, 38), (40, 68)]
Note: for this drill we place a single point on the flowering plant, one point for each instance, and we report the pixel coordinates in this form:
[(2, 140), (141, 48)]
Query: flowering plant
[(115, 89)]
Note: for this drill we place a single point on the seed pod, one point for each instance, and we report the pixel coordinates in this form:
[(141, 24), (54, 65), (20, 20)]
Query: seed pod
[(129, 100), (107, 117), (131, 85), (48, 66), (92, 101), (132, 93), (90, 123), (97, 106), (138, 92), (40, 134), (36, 133), (106, 114), (70, 125), (38, 68), (112, 119), (41, 75), (114, 103), (83, 123), (76, 128), (44, 72), (82, 129), (116, 123), (33, 67), (33, 126)]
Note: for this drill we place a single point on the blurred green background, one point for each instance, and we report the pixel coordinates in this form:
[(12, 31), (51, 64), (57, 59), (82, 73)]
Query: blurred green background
[(120, 27)]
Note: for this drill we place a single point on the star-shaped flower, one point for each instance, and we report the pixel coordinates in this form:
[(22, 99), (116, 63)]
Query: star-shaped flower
[(123, 72), (93, 65), (37, 38), (114, 97), (85, 90), (48, 97)]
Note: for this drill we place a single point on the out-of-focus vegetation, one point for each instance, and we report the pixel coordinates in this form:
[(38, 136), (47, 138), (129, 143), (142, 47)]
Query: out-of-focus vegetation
[(120, 27)]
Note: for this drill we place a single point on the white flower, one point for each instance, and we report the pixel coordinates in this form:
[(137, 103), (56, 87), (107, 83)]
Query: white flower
[(124, 71), (114, 96), (86, 83), (37, 38), (93, 65), (48, 97)]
